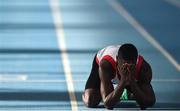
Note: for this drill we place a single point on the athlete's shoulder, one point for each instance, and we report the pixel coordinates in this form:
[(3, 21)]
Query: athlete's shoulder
[(146, 72), (107, 68), (111, 47), (109, 53), (106, 65), (146, 66)]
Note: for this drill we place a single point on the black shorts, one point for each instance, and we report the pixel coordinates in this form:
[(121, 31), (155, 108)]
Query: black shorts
[(93, 80)]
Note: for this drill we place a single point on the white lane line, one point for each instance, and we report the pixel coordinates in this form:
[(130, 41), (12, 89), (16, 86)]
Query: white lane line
[(122, 11), (64, 81), (174, 2), (54, 4), (20, 77)]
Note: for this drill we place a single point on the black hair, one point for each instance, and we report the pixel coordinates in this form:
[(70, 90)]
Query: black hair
[(128, 52)]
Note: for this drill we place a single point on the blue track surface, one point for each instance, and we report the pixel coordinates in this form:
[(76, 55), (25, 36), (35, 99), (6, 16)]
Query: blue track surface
[(31, 69)]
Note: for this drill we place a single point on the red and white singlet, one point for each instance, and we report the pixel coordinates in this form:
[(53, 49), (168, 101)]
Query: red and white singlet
[(110, 52)]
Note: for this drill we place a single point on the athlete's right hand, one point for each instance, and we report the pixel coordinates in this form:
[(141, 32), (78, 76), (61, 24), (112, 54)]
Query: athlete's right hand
[(124, 74)]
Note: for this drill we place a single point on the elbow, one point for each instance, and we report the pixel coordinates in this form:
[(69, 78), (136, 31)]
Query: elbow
[(107, 105), (148, 103), (110, 102), (151, 102)]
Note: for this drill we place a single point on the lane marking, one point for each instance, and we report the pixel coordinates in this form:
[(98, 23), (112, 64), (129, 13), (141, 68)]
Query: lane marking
[(54, 4), (74, 81), (174, 2), (6, 77), (122, 11)]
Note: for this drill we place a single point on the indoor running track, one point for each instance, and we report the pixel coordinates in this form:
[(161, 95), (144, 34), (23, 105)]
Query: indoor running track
[(47, 48)]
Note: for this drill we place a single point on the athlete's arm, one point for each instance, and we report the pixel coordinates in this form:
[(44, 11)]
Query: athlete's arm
[(109, 95), (143, 92)]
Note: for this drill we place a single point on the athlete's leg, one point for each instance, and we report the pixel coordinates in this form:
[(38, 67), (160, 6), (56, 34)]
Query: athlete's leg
[(91, 96)]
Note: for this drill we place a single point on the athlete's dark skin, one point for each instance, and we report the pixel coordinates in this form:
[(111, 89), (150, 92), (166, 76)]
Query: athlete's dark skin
[(141, 91)]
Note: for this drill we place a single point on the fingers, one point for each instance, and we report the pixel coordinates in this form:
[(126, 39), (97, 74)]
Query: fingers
[(125, 69), (130, 68), (128, 71)]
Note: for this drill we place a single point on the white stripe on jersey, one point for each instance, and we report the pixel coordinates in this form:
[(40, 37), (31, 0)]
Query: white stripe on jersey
[(111, 50)]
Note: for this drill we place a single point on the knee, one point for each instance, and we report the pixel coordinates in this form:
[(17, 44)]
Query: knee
[(91, 98), (90, 102)]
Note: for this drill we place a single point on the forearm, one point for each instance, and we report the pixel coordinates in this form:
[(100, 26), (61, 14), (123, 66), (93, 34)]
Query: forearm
[(114, 97), (141, 97)]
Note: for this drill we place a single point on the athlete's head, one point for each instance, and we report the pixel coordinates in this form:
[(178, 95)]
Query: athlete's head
[(127, 54)]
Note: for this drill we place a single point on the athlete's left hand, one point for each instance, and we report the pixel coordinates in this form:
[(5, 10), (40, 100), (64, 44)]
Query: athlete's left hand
[(131, 72)]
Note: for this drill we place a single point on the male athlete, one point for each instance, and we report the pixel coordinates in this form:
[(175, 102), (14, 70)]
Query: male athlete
[(121, 65)]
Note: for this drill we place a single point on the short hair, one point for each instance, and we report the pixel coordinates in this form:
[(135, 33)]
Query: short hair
[(128, 52)]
